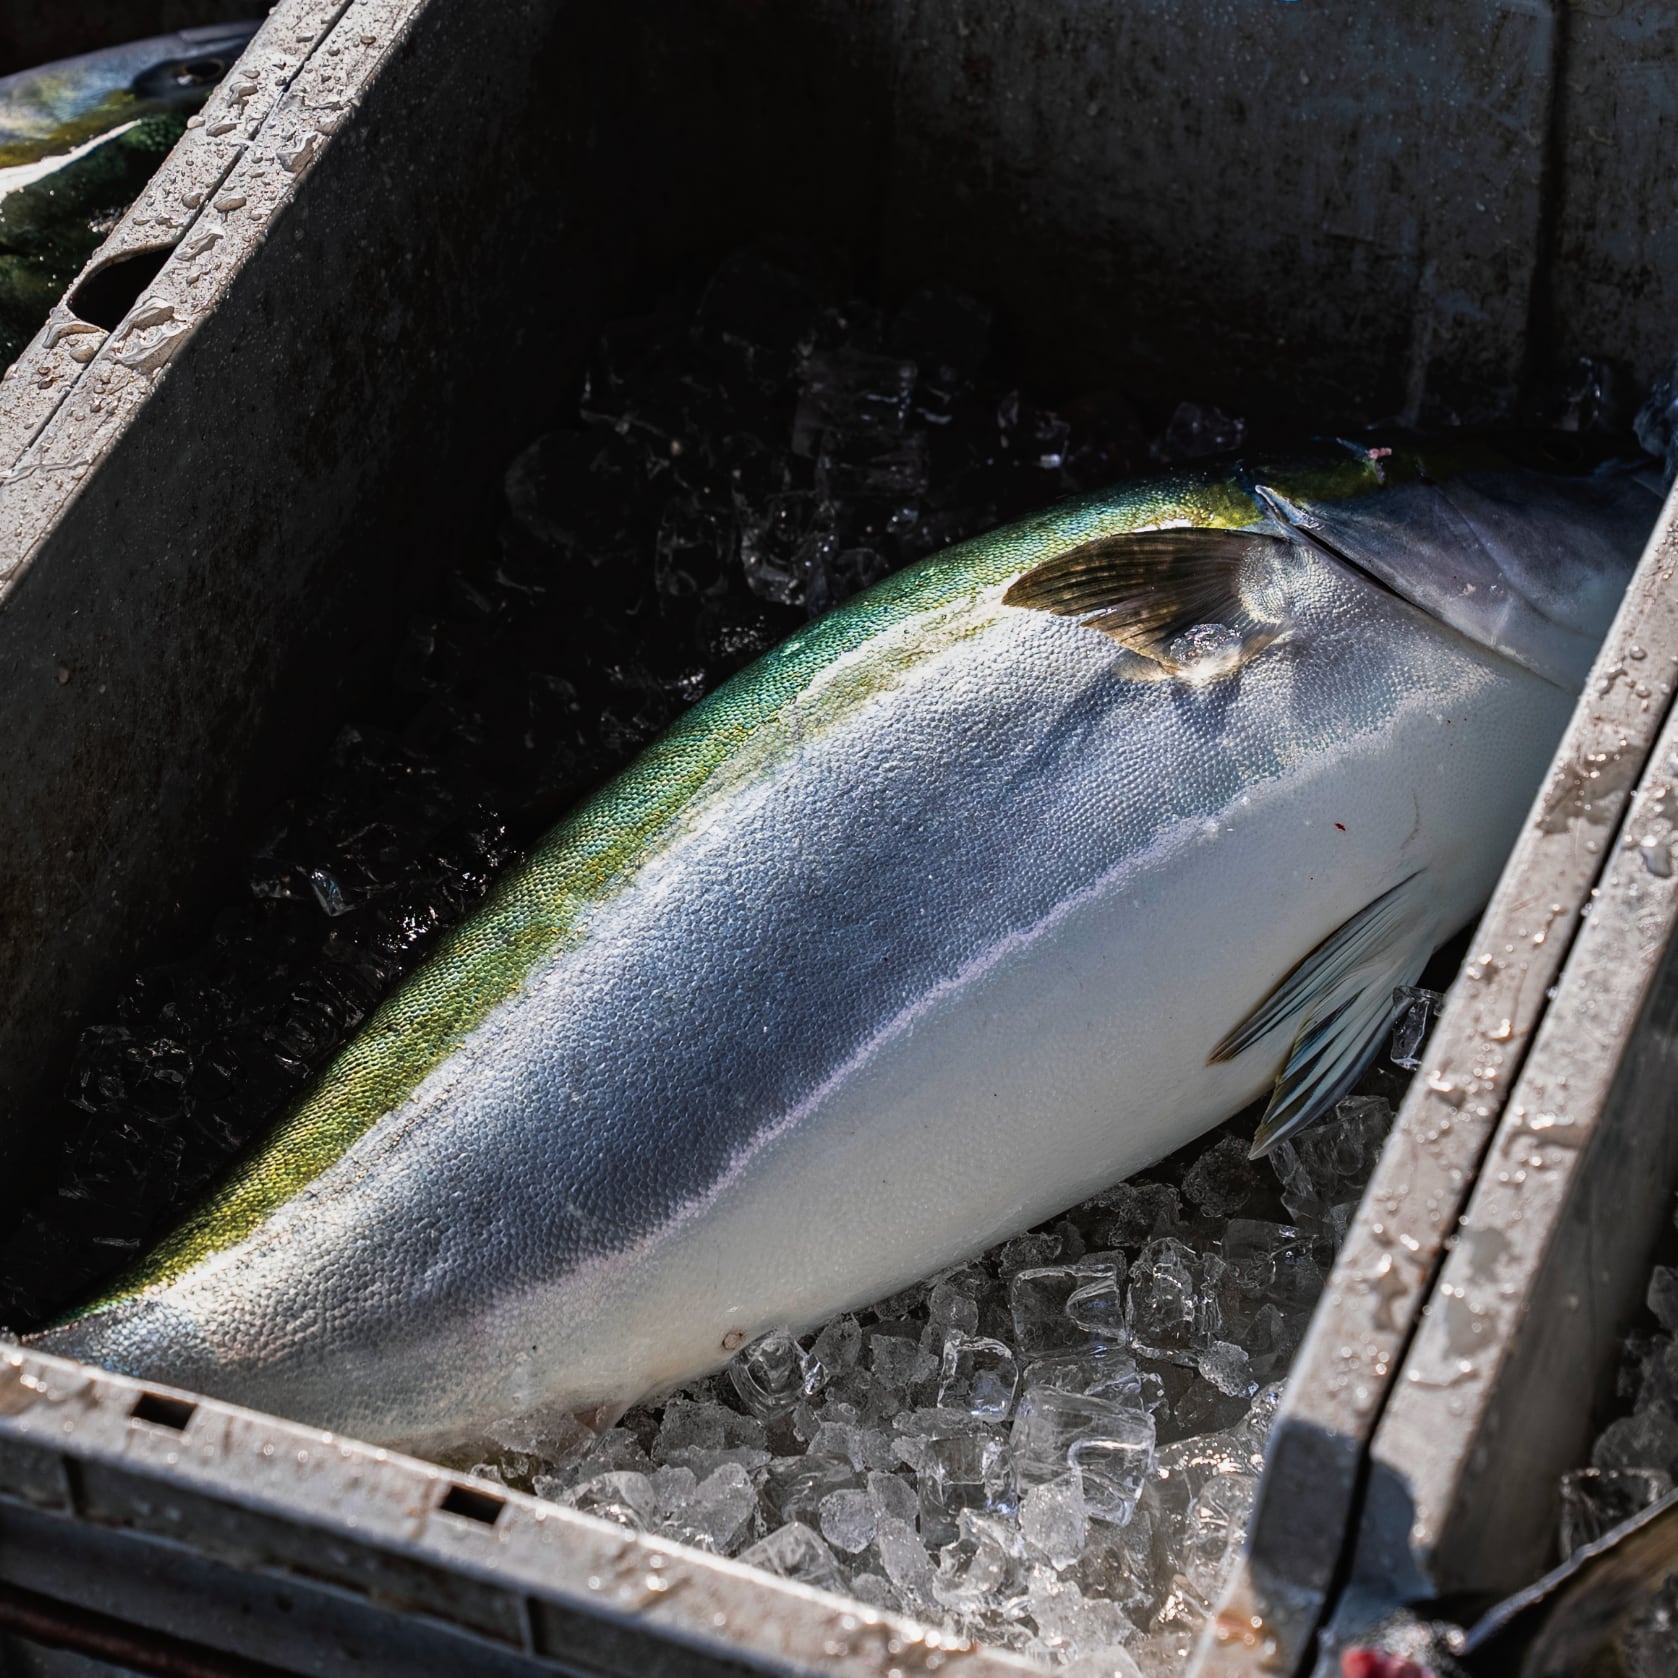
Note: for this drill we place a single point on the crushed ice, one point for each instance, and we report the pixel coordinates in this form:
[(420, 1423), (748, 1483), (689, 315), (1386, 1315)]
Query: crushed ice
[(1048, 1448), (1632, 1464)]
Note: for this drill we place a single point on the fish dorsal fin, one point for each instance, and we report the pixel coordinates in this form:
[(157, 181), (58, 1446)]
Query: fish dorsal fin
[(1336, 1002), (1195, 600)]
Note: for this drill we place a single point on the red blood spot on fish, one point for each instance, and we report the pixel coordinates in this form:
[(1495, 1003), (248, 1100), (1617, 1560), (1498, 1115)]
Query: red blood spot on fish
[(1341, 826)]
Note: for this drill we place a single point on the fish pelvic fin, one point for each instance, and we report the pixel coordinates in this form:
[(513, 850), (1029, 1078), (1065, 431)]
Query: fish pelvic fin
[(1337, 1001), (1197, 601)]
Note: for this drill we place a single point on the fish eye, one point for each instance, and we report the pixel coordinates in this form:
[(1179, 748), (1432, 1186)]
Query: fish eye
[(199, 72)]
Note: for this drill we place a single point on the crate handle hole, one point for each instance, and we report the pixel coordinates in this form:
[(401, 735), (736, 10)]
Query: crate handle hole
[(107, 294), (162, 1410), (471, 1504)]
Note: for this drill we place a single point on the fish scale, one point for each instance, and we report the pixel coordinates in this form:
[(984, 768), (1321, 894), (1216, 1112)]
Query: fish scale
[(974, 897)]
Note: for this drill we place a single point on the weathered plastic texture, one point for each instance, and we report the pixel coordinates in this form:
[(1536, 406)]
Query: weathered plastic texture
[(392, 235)]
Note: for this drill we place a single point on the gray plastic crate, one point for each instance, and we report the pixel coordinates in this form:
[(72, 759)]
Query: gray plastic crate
[(391, 238)]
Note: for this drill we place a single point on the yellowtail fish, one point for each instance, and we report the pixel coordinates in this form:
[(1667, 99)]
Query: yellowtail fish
[(79, 139), (993, 886)]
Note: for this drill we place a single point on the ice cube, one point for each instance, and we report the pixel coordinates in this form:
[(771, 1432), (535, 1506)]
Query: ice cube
[(1177, 1299), (1132, 1213), (782, 541), (962, 1471), (852, 391), (984, 1569), (876, 1590), (1030, 1251), (1053, 1519), (978, 1376), (1068, 1622), (1328, 1164), (1663, 1296), (1114, 1661), (769, 1374), (1196, 429), (835, 1350), (791, 1489), (898, 1363), (1595, 1499), (1648, 1439), (693, 1427), (848, 1521), (907, 1564), (1416, 1011), (1217, 1519), (1225, 1365), (1042, 1301), (714, 1516), (1222, 1180), (1114, 1465), (794, 1551), (625, 1497), (891, 1494), (1272, 1263), (1110, 1443)]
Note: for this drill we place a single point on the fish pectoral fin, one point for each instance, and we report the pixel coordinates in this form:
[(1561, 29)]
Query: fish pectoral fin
[(1196, 601), (1337, 1001)]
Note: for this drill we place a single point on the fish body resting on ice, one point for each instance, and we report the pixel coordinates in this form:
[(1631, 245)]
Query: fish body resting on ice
[(998, 883), (79, 139)]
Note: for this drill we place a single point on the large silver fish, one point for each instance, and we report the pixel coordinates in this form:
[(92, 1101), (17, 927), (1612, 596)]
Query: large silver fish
[(991, 887)]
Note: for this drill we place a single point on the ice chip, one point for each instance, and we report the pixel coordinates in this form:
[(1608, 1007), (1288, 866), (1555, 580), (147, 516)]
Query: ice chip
[(1225, 1365), (626, 1498), (1663, 1296), (962, 1471), (984, 1570), (1416, 1011), (1132, 1213), (1217, 1519), (1178, 1300), (782, 542), (791, 1489), (907, 1564), (715, 1515), (1114, 1661), (852, 391), (892, 1495), (1053, 1519), (1595, 1499), (836, 1349), (1030, 1251), (848, 1521), (953, 1301), (898, 1363), (978, 1376), (1222, 1180), (794, 1551), (1196, 429), (876, 1590), (1648, 1439), (769, 1374)]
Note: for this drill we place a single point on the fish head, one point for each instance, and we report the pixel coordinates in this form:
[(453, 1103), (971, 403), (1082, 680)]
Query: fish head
[(57, 107), (190, 63), (1521, 545)]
